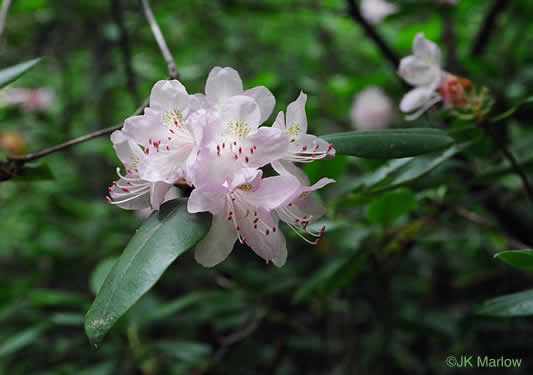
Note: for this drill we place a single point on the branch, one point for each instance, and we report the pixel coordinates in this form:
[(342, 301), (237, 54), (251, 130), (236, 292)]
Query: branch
[(160, 39), (3, 15), (516, 167), (116, 10), (487, 27), (386, 50), (30, 157)]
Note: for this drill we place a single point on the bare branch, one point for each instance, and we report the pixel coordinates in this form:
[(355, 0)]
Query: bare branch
[(386, 50), (30, 157), (488, 27), (3, 15), (124, 43), (160, 39)]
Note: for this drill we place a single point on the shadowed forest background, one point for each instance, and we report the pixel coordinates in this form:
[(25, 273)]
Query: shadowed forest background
[(395, 284)]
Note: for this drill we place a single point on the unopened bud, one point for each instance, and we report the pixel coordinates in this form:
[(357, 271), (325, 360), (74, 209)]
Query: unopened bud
[(12, 143)]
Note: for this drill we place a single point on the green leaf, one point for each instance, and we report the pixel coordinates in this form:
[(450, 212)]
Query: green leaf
[(511, 305), (522, 259), (161, 239), (391, 206), (389, 143), (10, 74), (396, 173)]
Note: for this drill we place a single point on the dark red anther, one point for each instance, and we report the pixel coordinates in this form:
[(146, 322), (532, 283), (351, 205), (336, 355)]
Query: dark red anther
[(274, 229), (125, 190), (267, 232), (108, 199), (304, 148), (246, 159)]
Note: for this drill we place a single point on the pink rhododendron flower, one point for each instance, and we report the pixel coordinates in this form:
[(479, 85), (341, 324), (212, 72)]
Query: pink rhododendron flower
[(371, 110), (216, 144), (422, 70), (28, 99)]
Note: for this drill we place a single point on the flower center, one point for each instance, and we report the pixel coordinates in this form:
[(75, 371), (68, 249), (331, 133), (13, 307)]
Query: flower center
[(239, 130), (173, 119), (245, 187)]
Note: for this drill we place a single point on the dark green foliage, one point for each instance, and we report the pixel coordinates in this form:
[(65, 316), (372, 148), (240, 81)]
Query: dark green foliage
[(397, 283)]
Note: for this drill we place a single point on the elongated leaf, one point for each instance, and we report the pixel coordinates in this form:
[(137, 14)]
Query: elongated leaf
[(10, 74), (389, 143), (511, 305), (522, 259), (161, 239), (22, 339)]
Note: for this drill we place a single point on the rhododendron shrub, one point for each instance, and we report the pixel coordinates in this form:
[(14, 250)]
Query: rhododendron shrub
[(217, 143)]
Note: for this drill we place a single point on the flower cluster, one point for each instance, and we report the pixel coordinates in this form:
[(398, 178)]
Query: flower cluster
[(432, 84), (215, 144)]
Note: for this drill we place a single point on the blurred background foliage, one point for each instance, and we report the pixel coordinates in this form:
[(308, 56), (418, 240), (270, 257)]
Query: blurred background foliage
[(405, 262)]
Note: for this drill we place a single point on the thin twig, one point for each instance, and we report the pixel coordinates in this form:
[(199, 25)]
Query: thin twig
[(386, 50), (514, 163), (160, 39), (124, 43), (487, 27), (3, 15), (37, 155)]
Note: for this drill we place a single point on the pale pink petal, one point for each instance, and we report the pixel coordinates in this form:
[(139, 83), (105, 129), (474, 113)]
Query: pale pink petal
[(167, 166), (223, 83), (296, 119), (274, 192), (240, 114), (264, 146), (287, 168), (145, 129), (169, 95), (244, 176), (308, 143), (206, 201), (279, 123), (426, 50), (157, 194), (264, 237), (129, 154), (217, 244), (264, 99), (130, 193)]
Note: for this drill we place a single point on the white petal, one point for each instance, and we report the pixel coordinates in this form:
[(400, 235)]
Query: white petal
[(296, 117), (142, 129), (169, 95), (426, 50), (223, 83), (264, 99), (418, 72), (217, 245), (416, 98)]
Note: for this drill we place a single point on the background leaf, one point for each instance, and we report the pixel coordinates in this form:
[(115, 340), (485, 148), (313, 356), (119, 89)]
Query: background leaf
[(10, 74), (161, 239), (511, 305), (522, 259)]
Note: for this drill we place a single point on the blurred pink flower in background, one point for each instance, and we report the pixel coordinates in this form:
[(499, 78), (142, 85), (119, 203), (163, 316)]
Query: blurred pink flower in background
[(372, 109), (31, 100), (374, 11)]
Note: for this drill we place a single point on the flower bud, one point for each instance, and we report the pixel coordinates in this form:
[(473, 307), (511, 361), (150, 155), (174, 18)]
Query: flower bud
[(452, 90), (371, 110), (12, 143)]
